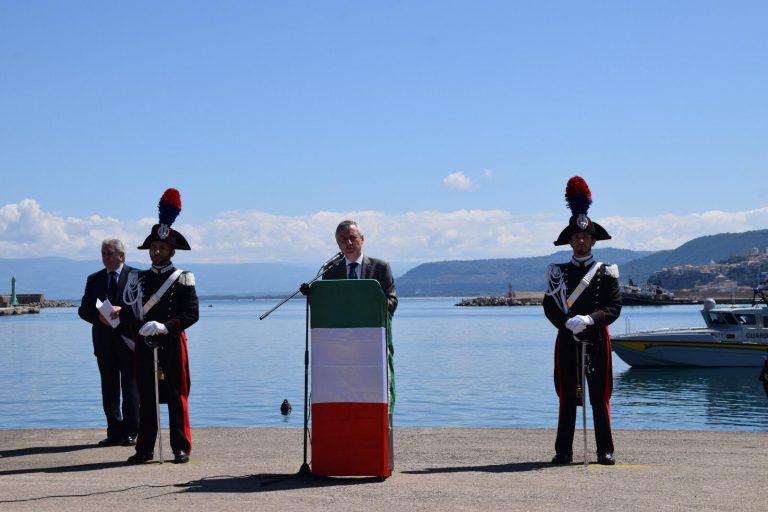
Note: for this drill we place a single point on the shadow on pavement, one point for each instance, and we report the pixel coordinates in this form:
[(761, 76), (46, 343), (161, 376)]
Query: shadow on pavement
[(36, 450), (516, 467), (65, 469), (268, 482)]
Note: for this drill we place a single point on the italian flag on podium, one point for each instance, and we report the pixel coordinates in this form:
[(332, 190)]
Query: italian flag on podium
[(350, 378)]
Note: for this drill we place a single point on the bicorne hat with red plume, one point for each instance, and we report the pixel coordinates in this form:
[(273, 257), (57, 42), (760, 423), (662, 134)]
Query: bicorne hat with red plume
[(578, 197), (169, 208)]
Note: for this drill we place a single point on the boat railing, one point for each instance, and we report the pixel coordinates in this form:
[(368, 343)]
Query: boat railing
[(760, 291), (667, 330)]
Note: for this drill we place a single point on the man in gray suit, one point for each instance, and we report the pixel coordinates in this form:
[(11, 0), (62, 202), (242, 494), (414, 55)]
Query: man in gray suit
[(114, 352), (356, 265)]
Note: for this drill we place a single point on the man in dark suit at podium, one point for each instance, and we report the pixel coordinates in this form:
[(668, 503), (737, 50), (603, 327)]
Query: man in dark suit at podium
[(356, 265), (114, 353)]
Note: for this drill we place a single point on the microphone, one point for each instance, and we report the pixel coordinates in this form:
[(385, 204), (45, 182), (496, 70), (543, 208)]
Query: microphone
[(337, 257)]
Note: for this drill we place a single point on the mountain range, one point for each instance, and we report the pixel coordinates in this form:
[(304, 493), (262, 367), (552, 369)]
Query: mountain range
[(61, 278), (493, 277)]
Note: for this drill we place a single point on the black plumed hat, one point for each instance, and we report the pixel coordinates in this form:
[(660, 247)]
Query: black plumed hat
[(578, 197), (168, 208)]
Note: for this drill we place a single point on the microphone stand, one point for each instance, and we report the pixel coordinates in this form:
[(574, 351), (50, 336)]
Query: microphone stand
[(325, 267), (304, 470)]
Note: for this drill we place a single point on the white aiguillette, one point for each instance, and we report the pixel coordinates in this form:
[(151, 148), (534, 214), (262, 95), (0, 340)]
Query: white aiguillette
[(105, 308)]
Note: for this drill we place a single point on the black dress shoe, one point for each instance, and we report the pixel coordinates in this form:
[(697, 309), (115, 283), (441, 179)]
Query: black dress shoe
[(110, 441), (128, 441), (606, 459), (562, 458), (140, 457), (181, 457)]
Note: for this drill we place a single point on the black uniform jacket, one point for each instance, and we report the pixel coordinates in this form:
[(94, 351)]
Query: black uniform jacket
[(178, 308), (601, 300)]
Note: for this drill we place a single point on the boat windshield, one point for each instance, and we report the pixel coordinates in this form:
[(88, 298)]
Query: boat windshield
[(727, 318), (746, 319), (719, 318)]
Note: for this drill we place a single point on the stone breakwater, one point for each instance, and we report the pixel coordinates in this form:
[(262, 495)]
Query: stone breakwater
[(34, 307), (19, 310), (501, 301), (56, 304)]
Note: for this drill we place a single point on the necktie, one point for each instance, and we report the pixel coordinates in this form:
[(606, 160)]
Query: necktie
[(352, 271), (112, 287)]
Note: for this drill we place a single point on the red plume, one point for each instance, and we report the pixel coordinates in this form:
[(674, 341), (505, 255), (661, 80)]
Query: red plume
[(576, 186), (173, 197), (578, 196), (169, 206)]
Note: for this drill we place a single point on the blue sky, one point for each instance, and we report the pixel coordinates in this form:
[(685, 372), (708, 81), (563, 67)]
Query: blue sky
[(448, 129)]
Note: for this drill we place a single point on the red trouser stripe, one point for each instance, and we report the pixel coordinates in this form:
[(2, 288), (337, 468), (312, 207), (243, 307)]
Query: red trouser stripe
[(608, 382), (185, 384)]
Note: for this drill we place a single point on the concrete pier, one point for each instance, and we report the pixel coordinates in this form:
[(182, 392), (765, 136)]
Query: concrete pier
[(19, 310), (435, 470)]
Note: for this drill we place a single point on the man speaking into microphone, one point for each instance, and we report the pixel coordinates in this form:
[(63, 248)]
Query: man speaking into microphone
[(356, 265)]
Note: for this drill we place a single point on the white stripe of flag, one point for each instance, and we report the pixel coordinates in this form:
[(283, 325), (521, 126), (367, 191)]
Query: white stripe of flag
[(349, 365)]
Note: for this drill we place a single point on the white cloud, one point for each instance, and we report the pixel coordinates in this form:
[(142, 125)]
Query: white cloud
[(26, 230), (488, 173), (458, 181)]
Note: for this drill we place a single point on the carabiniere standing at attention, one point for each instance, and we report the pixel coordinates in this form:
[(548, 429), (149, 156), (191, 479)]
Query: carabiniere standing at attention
[(161, 303), (581, 301)]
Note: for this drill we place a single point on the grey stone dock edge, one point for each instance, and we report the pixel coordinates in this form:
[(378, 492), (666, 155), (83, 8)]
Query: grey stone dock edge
[(436, 469)]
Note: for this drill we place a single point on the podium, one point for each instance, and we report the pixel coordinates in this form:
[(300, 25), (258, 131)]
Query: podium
[(349, 378)]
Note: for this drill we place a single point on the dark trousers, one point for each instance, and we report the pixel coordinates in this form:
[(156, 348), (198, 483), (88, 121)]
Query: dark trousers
[(600, 385), (170, 393), (117, 375)]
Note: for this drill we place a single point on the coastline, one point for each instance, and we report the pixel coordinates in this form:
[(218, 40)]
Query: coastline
[(435, 469)]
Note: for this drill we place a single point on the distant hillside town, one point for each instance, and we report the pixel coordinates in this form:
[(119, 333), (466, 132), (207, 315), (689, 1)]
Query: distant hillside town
[(736, 274)]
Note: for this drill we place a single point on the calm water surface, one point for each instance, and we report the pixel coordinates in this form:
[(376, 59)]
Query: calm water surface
[(474, 367)]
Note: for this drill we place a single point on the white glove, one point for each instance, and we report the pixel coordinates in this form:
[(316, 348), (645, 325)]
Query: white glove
[(579, 323), (575, 324), (153, 329)]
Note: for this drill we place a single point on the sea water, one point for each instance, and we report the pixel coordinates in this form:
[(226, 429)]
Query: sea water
[(455, 366)]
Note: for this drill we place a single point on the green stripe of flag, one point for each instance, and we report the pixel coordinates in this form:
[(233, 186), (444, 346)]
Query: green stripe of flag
[(347, 303)]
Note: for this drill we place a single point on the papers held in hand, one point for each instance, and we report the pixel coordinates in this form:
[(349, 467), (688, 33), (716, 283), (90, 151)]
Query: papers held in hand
[(105, 308)]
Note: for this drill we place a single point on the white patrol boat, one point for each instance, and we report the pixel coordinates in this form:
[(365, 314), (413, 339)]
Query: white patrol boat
[(734, 336)]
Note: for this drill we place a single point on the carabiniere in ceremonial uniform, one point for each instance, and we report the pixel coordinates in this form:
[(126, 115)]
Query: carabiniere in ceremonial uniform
[(162, 304), (581, 301)]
